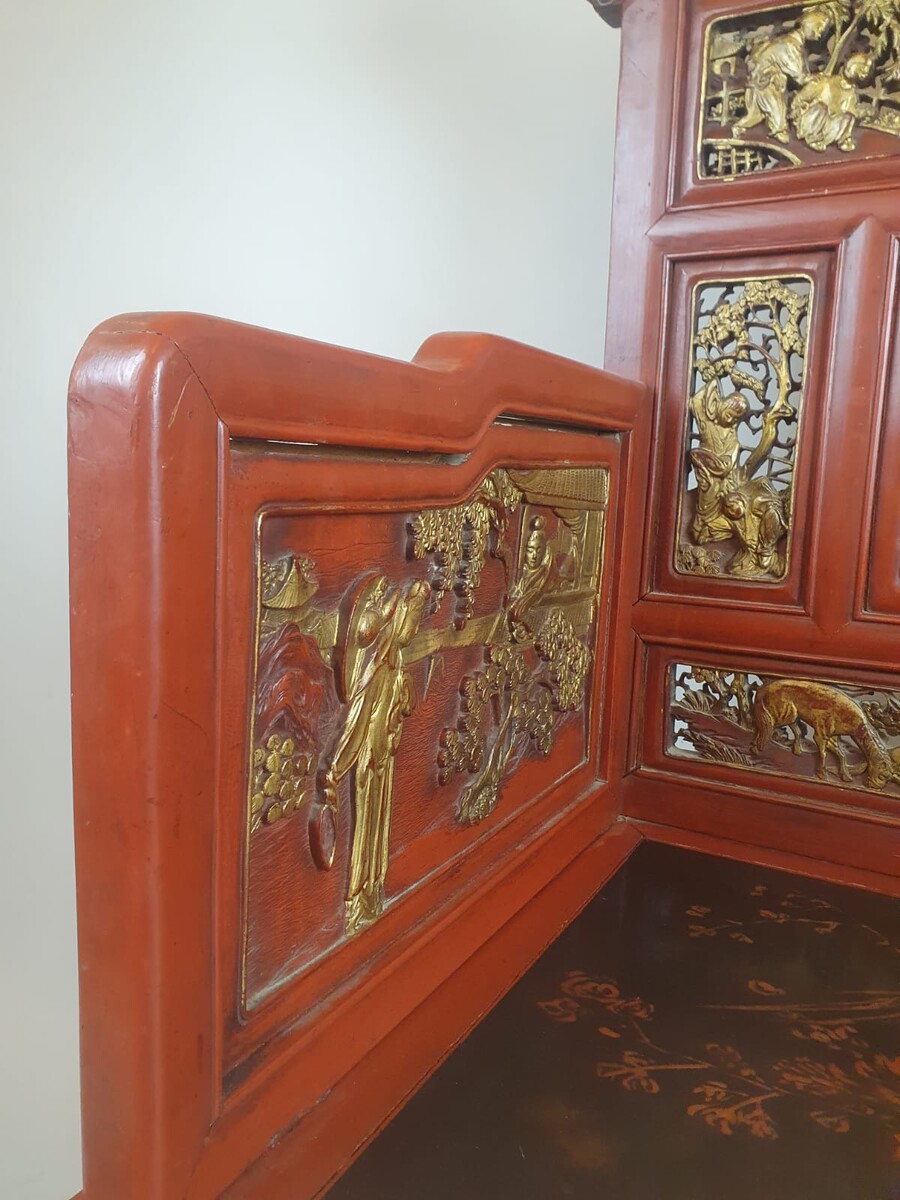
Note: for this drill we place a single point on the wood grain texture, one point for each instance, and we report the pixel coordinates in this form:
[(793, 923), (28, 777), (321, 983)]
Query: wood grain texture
[(178, 427), (833, 616)]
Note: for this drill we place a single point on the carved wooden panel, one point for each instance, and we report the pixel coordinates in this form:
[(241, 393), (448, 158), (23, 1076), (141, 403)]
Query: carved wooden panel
[(843, 734), (349, 624), (745, 397), (737, 429), (407, 665), (696, 202), (797, 85)]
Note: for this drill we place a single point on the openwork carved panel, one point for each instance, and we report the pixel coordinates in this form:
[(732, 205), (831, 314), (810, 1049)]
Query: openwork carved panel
[(745, 396), (406, 665), (800, 84), (843, 734)]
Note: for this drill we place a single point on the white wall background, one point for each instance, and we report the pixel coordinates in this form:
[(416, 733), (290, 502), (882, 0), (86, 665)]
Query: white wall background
[(361, 171)]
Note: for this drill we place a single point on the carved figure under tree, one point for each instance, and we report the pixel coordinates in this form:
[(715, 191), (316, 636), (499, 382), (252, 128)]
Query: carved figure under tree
[(537, 538), (749, 350)]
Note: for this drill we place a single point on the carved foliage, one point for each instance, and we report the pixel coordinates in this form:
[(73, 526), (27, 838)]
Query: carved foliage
[(800, 84), (336, 683), (538, 660), (749, 350), (846, 735), (457, 539)]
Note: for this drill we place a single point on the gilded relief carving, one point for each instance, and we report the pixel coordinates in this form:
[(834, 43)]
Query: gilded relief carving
[(843, 734), (337, 683), (748, 369), (377, 690), (538, 660), (800, 84), (457, 539), (293, 692)]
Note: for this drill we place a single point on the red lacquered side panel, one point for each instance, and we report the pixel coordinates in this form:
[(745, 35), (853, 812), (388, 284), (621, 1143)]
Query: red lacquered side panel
[(347, 653)]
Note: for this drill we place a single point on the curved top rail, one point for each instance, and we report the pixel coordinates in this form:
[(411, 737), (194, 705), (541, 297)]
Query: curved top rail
[(277, 387)]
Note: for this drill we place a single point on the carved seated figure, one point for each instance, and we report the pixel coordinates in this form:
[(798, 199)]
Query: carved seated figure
[(826, 110), (757, 518), (772, 65)]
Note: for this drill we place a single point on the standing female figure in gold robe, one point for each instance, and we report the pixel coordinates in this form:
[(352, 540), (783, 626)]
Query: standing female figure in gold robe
[(379, 693)]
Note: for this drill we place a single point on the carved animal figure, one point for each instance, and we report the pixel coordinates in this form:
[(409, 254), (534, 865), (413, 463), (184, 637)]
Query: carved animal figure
[(830, 715)]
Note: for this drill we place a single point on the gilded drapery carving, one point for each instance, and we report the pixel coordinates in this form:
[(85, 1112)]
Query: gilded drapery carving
[(800, 84), (338, 681)]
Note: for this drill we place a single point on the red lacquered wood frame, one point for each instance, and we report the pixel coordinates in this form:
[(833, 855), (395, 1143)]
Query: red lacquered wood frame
[(181, 1092), (176, 422), (684, 275), (838, 616)]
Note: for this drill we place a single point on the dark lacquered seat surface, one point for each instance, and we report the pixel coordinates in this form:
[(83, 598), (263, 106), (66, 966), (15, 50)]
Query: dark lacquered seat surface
[(705, 1029)]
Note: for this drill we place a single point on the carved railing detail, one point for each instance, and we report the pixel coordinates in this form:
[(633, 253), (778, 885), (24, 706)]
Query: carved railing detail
[(800, 84)]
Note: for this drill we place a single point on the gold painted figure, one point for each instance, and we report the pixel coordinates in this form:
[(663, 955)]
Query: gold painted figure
[(379, 693), (734, 718), (786, 81), (757, 515), (715, 460), (749, 365), (730, 503), (771, 65), (831, 715), (536, 572), (827, 108)]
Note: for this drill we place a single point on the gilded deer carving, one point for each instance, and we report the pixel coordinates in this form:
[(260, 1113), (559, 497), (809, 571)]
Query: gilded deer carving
[(831, 715)]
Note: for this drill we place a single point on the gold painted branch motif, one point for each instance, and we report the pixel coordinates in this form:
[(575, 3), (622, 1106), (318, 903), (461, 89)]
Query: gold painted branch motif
[(825, 1058)]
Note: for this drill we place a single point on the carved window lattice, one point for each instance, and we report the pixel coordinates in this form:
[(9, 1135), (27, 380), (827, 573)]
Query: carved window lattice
[(745, 394), (798, 85), (844, 734)]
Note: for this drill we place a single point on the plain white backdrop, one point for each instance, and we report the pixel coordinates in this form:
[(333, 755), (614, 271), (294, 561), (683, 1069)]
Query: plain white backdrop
[(365, 172)]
